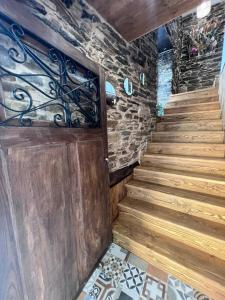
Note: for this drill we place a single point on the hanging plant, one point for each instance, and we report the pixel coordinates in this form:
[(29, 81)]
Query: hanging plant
[(202, 38)]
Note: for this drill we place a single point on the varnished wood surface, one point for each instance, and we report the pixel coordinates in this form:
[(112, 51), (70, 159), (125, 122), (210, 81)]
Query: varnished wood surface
[(198, 150), (174, 212), (11, 283), (202, 125), (209, 92), (57, 187), (197, 233), (133, 19), (183, 180), (197, 100), (203, 272), (191, 203), (214, 137), (198, 165), (193, 116), (117, 193), (207, 106)]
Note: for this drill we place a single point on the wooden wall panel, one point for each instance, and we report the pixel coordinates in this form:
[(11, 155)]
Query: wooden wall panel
[(133, 19), (118, 193)]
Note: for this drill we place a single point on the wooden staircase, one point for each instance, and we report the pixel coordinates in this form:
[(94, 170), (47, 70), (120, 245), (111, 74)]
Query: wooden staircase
[(174, 212)]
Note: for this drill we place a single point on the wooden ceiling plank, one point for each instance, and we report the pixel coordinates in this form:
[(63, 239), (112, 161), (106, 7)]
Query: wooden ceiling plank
[(133, 19)]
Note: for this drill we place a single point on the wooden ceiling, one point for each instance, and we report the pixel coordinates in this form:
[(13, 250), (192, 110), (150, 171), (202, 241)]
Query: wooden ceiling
[(134, 18)]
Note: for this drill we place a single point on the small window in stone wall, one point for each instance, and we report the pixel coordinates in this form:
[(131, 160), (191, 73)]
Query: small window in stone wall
[(41, 86)]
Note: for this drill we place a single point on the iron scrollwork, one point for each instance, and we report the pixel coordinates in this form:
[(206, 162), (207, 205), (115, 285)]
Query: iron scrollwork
[(69, 86)]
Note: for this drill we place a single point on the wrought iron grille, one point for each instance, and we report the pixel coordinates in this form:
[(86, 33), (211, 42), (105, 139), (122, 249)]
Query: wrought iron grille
[(54, 84)]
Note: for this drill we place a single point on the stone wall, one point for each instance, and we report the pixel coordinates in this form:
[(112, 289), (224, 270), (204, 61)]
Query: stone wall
[(131, 120), (200, 71), (165, 74)]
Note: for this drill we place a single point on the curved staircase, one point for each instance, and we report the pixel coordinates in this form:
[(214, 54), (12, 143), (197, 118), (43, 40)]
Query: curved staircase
[(174, 212)]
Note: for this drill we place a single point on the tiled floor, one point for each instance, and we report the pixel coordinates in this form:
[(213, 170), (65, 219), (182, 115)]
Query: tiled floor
[(123, 276)]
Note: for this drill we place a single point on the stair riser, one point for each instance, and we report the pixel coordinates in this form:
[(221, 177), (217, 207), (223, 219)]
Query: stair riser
[(192, 108), (185, 205), (187, 137), (189, 183), (185, 235), (171, 104), (209, 125), (185, 164), (192, 277), (192, 116), (188, 149)]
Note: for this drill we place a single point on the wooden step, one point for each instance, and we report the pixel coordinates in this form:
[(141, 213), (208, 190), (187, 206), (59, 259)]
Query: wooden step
[(205, 150), (193, 116), (203, 165), (193, 108), (203, 125), (210, 92), (196, 268), (183, 180), (191, 203), (214, 137), (197, 233), (175, 103)]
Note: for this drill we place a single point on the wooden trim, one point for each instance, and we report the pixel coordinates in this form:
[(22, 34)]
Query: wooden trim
[(20, 14), (117, 176)]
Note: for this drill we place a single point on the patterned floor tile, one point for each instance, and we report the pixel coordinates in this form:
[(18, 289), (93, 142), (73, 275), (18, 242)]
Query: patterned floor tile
[(89, 285), (112, 270), (117, 251), (177, 290), (137, 262), (154, 289), (157, 273), (132, 281), (200, 296)]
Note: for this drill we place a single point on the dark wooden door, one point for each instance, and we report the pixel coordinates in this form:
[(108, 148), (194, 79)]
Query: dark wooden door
[(54, 207)]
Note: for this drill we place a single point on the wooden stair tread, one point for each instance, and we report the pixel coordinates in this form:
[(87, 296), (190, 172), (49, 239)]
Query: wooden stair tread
[(203, 125), (182, 224), (201, 165), (189, 195), (202, 271), (189, 136), (201, 183), (197, 93), (199, 115), (174, 103), (207, 106), (200, 176), (197, 149)]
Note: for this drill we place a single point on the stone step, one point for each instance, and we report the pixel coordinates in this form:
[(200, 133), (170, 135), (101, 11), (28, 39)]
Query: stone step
[(213, 137), (196, 268), (190, 203), (199, 150)]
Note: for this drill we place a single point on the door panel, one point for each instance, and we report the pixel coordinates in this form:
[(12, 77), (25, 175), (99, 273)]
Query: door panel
[(40, 188), (54, 204), (93, 225)]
